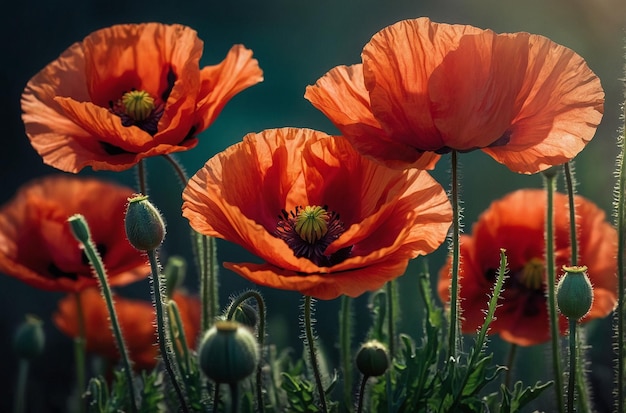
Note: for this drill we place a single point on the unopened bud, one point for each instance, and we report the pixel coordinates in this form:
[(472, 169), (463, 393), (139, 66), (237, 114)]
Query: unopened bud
[(145, 228), (246, 315), (372, 360), (29, 339), (574, 294), (228, 352)]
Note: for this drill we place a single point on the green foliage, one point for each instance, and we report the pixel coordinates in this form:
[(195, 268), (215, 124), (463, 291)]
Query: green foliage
[(300, 394), (514, 400), (420, 379)]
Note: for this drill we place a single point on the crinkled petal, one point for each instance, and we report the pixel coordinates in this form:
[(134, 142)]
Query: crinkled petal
[(341, 95), (237, 72)]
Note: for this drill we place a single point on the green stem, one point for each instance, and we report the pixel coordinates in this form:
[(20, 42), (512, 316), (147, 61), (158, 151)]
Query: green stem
[(362, 394), (216, 396), (181, 360), (234, 397), (510, 360), (392, 299), (141, 177), (20, 392), (453, 344), (620, 205), (260, 338), (571, 386), (80, 350), (570, 183), (98, 265), (161, 323), (178, 169), (206, 255), (552, 311), (173, 310), (310, 344), (345, 348)]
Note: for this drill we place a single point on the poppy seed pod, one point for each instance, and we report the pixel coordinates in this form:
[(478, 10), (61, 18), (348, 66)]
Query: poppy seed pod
[(29, 339), (228, 352), (372, 360), (145, 228), (574, 294)]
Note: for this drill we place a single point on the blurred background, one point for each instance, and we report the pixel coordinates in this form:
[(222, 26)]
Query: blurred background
[(295, 42)]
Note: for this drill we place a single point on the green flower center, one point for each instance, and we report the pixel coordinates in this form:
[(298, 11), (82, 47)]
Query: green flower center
[(312, 223), (309, 230), (138, 104)]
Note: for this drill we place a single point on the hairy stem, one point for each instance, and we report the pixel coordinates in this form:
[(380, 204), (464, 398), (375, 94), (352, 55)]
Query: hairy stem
[(161, 331), (571, 383), (453, 344), (310, 344), (552, 311)]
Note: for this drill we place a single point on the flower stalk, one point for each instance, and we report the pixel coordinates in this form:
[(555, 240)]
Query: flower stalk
[(550, 179), (455, 313), (620, 212), (205, 250), (80, 230), (162, 321), (310, 344)]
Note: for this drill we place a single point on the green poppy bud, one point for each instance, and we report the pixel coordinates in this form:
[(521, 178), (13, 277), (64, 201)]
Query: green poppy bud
[(80, 228), (29, 339), (228, 352), (145, 228), (372, 360), (246, 315), (574, 294)]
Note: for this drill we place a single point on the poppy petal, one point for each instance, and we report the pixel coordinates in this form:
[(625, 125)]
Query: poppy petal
[(238, 71), (341, 95), (322, 286), (397, 64)]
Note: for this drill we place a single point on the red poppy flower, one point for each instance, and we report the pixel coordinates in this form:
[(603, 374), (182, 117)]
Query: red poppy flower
[(137, 321), (37, 245), (427, 88), (516, 223), (326, 220), (129, 92)]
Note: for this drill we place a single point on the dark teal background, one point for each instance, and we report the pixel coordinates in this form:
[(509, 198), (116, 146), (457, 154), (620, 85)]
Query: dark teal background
[(295, 42)]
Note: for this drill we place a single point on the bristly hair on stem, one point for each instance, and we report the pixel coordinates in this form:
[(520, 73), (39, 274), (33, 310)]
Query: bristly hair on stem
[(309, 341), (549, 179), (454, 333), (620, 218)]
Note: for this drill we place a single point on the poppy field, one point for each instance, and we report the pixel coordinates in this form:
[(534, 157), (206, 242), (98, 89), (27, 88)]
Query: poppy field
[(430, 218)]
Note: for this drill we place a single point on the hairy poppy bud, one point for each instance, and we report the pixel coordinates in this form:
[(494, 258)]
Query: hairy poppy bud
[(80, 228), (29, 339), (372, 360), (228, 352), (574, 294), (246, 315), (145, 228)]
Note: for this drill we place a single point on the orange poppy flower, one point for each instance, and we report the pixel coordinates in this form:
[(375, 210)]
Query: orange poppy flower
[(426, 88), (37, 245), (137, 320), (129, 92), (516, 223), (326, 220)]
